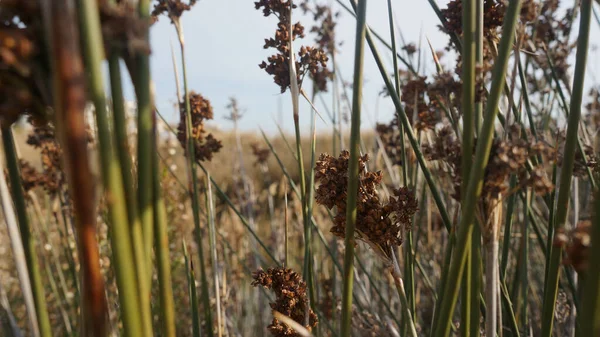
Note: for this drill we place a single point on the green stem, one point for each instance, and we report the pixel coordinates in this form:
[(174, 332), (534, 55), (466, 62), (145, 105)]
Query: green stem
[(351, 202), (191, 279), (473, 191), (161, 244), (37, 286), (194, 193), (467, 104), (134, 306), (570, 149), (589, 316), (144, 150), (122, 148)]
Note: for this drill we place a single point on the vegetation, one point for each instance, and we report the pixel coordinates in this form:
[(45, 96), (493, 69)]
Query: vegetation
[(473, 212)]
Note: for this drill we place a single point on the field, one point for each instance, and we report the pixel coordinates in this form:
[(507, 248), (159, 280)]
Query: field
[(472, 211)]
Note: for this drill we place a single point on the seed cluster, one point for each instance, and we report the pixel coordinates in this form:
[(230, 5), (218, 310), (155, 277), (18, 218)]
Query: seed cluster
[(122, 29), (413, 95), (260, 153), (380, 224), (550, 33), (391, 141), (324, 29), (24, 70), (581, 164), (201, 110), (493, 14), (52, 177), (506, 157), (422, 104), (291, 299), (173, 8), (310, 60), (576, 243)]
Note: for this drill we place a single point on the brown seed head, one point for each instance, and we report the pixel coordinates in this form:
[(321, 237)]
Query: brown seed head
[(291, 299), (201, 110)]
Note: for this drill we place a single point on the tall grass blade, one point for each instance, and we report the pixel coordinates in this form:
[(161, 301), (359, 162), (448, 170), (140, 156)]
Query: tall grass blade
[(351, 206), (484, 143), (141, 83), (18, 254), (33, 268), (213, 254), (69, 103), (161, 244), (570, 148)]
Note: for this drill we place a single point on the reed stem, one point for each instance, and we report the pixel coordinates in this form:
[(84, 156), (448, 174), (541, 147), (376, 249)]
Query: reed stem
[(570, 148), (33, 268), (351, 201)]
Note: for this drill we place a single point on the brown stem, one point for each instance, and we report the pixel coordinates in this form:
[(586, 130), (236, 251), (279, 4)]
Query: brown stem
[(69, 106)]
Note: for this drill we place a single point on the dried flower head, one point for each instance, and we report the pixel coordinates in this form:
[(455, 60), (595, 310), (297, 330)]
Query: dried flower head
[(260, 153), (549, 38), (328, 300), (444, 89), (172, 8), (122, 29), (391, 141), (24, 68), (410, 48), (379, 224), (30, 177), (324, 29), (291, 299), (420, 113), (581, 164), (52, 178), (529, 11), (493, 14), (201, 110), (576, 243), (507, 157), (310, 60)]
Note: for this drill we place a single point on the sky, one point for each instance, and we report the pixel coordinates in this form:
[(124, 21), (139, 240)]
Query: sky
[(224, 44)]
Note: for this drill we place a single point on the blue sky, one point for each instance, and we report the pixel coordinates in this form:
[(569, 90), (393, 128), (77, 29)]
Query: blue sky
[(224, 40)]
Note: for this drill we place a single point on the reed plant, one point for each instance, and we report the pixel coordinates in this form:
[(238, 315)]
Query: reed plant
[(472, 211)]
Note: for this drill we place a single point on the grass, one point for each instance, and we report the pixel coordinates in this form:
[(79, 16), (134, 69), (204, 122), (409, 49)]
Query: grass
[(449, 211)]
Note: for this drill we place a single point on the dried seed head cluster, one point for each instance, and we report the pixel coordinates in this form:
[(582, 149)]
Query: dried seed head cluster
[(391, 141), (52, 177), (550, 32), (291, 299), (201, 110), (410, 48), (593, 107), (446, 90), (368, 324), (576, 243), (379, 224), (122, 29), (529, 11), (310, 60), (421, 114), (260, 153), (493, 14), (581, 164), (30, 177), (506, 157), (172, 8), (328, 300), (324, 29), (23, 66)]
